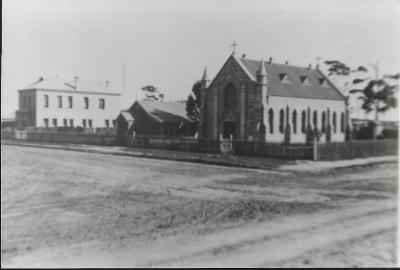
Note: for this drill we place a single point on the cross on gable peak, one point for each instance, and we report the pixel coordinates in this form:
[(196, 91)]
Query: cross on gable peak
[(234, 44)]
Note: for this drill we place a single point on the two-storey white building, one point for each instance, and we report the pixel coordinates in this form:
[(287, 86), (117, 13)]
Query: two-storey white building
[(55, 103)]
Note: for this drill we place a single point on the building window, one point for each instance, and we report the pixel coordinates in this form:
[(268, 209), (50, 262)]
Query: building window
[(84, 122), (107, 123), (29, 102), (102, 104), (86, 100), (342, 127), (54, 122), (315, 120), (229, 95), (334, 122), (294, 121), (281, 120), (23, 102), (71, 122), (46, 101), (46, 122), (323, 122), (114, 123), (271, 120), (70, 102), (59, 98), (303, 121), (90, 122)]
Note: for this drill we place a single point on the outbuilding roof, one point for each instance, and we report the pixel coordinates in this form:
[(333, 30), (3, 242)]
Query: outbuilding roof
[(299, 82), (174, 111), (127, 116)]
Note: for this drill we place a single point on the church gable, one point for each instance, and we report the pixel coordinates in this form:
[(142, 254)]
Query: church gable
[(232, 68)]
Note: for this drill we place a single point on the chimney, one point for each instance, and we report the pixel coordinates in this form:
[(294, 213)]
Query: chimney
[(76, 82), (309, 67), (287, 62), (107, 83), (270, 61)]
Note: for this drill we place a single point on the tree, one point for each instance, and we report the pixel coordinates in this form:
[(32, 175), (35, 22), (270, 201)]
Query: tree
[(376, 94), (152, 93), (194, 101)]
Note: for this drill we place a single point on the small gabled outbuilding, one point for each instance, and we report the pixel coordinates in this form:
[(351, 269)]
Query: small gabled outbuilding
[(153, 118)]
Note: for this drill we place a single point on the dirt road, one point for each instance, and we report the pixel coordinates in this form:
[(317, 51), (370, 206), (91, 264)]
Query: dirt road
[(70, 209)]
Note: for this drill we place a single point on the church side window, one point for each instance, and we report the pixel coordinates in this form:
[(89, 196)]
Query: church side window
[(229, 95), (303, 121), (271, 120), (281, 120), (334, 122), (315, 119), (323, 124), (342, 122), (294, 121)]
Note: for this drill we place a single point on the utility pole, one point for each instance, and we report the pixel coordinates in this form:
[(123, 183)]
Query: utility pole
[(123, 69)]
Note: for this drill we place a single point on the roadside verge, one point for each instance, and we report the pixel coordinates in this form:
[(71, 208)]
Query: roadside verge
[(300, 166)]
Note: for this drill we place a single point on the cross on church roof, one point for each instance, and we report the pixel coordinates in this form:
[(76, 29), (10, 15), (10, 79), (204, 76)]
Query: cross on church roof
[(234, 44)]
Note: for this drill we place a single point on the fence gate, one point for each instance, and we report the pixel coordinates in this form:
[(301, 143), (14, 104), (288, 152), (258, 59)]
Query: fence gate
[(225, 145)]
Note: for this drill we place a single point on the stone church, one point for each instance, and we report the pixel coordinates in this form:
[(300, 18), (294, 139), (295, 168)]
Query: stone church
[(253, 100)]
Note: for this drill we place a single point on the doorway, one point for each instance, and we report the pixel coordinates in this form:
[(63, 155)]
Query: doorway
[(229, 129)]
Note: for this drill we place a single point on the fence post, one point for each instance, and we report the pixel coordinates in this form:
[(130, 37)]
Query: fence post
[(230, 143), (315, 154)]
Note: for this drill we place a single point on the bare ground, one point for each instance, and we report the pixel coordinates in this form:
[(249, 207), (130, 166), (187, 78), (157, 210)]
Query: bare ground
[(72, 209)]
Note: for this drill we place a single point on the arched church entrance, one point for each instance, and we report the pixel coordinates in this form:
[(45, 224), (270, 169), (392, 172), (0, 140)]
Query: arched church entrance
[(230, 126)]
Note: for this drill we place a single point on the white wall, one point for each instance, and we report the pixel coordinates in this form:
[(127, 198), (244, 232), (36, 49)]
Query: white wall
[(300, 104), (78, 111)]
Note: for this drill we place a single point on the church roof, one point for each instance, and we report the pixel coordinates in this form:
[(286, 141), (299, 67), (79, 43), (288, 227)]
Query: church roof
[(174, 111), (304, 82)]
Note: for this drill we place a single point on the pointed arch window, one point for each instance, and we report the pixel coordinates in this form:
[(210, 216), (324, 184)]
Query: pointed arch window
[(271, 120), (323, 124), (334, 122), (315, 119), (294, 121), (303, 121), (281, 120), (229, 95), (342, 127)]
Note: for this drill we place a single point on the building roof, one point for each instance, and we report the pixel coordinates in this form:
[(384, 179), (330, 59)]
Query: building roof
[(56, 83), (174, 111), (49, 83), (127, 116), (304, 82)]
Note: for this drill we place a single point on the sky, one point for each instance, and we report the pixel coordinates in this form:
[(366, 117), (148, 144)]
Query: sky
[(167, 43)]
